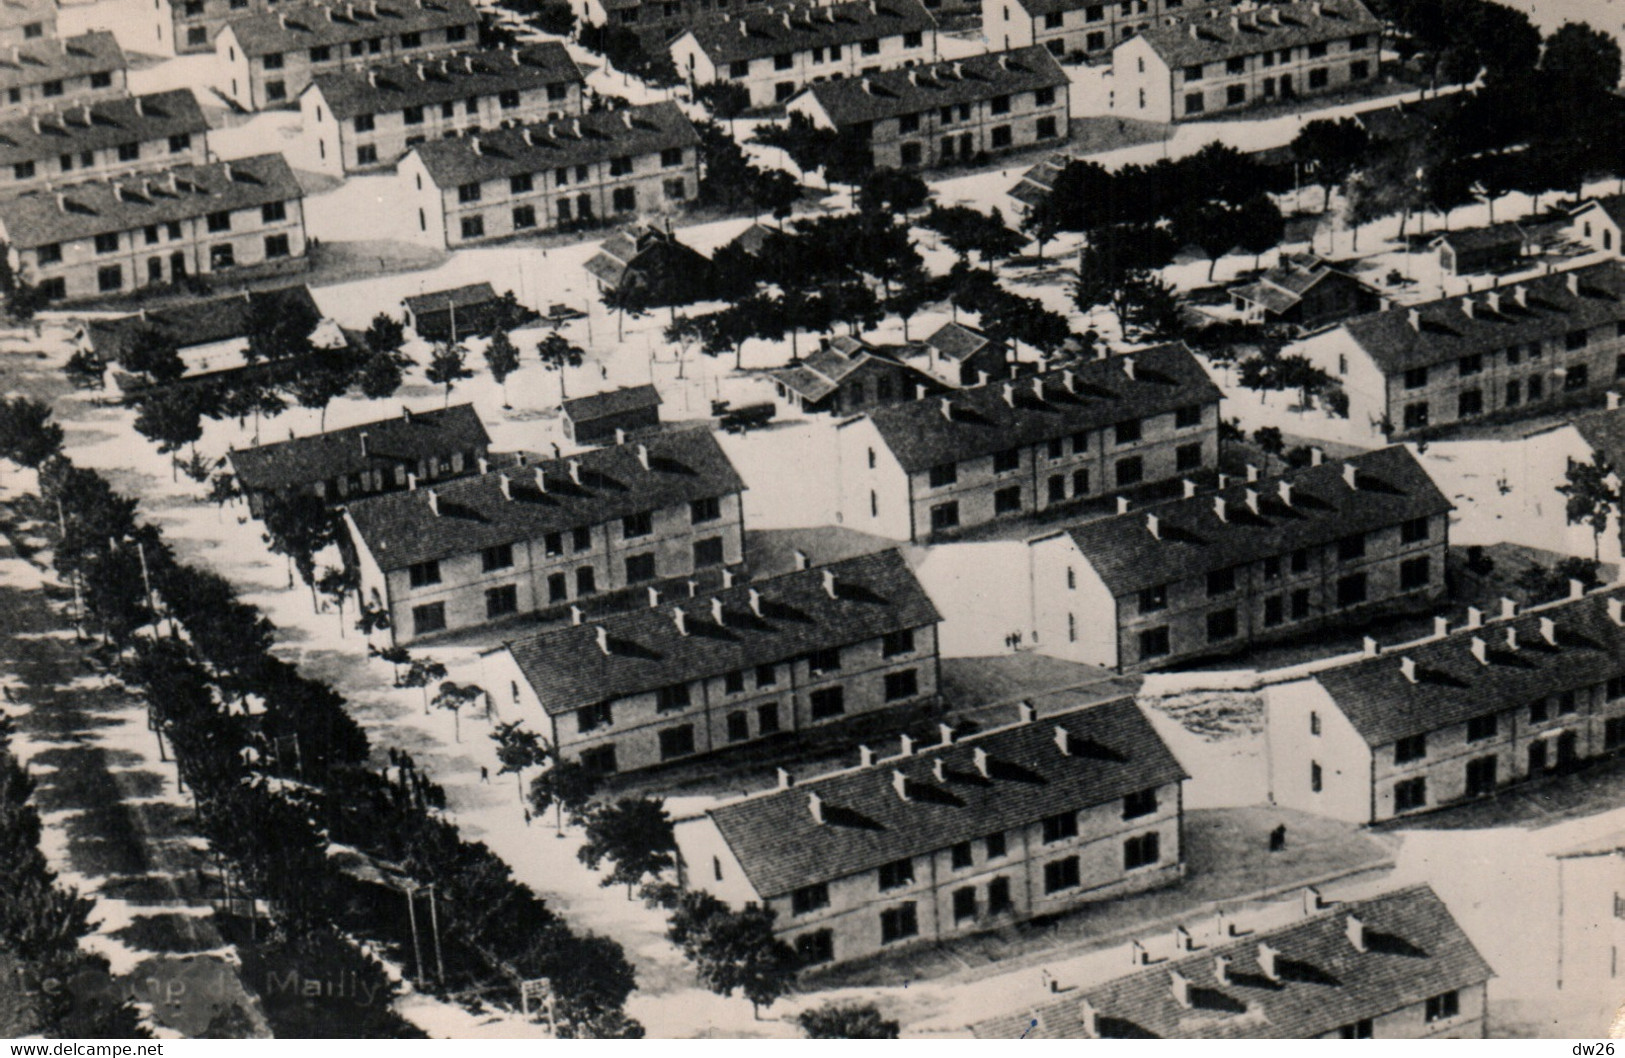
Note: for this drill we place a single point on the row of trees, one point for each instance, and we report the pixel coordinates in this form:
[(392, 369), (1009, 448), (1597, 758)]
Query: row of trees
[(241, 723)]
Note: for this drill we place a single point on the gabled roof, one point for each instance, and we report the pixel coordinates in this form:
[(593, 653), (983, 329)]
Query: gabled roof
[(429, 82), (792, 27), (470, 296), (1191, 540), (821, 373), (593, 137), (1215, 35), (1452, 686), (917, 89), (35, 61), (196, 323), (1039, 8), (874, 594), (611, 402), (1444, 332), (1507, 233), (1604, 431), (1039, 181), (647, 247), (402, 528), (1613, 205), (980, 421), (1284, 285), (1413, 951), (303, 25), (126, 202), (100, 123), (405, 438), (959, 341), (1112, 751)]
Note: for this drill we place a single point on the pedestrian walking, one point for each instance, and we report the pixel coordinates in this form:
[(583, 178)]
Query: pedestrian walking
[(527, 817), (485, 774)]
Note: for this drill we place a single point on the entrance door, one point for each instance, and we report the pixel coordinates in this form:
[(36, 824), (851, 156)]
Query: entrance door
[(967, 145), (1568, 749), (1537, 757), (1480, 776), (155, 270), (1286, 85), (177, 265), (556, 590)]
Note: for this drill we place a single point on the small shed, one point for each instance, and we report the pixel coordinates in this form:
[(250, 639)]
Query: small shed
[(653, 261), (594, 419), (1493, 249), (447, 315)]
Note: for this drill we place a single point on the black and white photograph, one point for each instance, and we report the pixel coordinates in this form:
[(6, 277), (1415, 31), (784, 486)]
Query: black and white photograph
[(929, 520)]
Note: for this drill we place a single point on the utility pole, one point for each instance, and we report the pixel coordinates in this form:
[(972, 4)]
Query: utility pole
[(417, 951)]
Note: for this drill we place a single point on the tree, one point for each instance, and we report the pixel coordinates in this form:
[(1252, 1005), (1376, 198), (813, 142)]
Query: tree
[(420, 673), (27, 435), (892, 191), (635, 834), (724, 99), (733, 949), (1148, 303), (518, 749), (1042, 222), (380, 375), (850, 1021), (1214, 227), (1259, 226), (1331, 150), (337, 582), (1271, 442), (22, 298), (386, 334), (153, 354), (279, 329), (556, 18), (566, 786), (968, 230), (84, 370), (557, 353), (503, 359), (1594, 497), (1580, 63), (299, 526), (318, 386), (453, 696), (396, 655), (447, 366), (172, 417)]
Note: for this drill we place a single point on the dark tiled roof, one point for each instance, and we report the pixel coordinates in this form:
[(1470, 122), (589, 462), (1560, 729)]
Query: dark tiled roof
[(1039, 181), (1604, 431), (195, 323), (648, 247), (611, 402), (593, 137), (99, 124), (1284, 285), (304, 25), (781, 847), (1393, 488), (406, 438), (1509, 233), (874, 594), (429, 82), (957, 341), (1447, 332), (473, 295), (757, 34), (1414, 950), (127, 202), (401, 529), (1613, 205), (921, 436), (872, 97), (1215, 35), (37, 61), (1452, 687), (821, 373)]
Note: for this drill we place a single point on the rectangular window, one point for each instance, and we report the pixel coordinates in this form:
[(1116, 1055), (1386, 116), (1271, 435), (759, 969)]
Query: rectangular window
[(944, 474), (964, 903), (1318, 78), (413, 115), (677, 742), (1127, 432), (824, 661), (1274, 611), (1143, 851), (1470, 365), (1006, 461), (1410, 748), (49, 254), (1221, 582), (1300, 604), (1060, 827), (998, 896), (107, 242), (1194, 104), (900, 685), (1140, 803), (673, 697), (1130, 471), (827, 702), (624, 199), (895, 643), (581, 538), (1154, 642), (1007, 500), (321, 53), (1442, 1006), (995, 846), (498, 557), (1351, 547), (897, 874), (501, 601), (273, 61), (640, 568), (1351, 590), (220, 221), (1480, 728), (428, 618), (898, 923), (1469, 403), (637, 525), (1235, 95), (473, 227), (815, 947), (961, 857), (1414, 573), (767, 675), (1221, 625), (1416, 377), (1061, 874), (706, 510), (1411, 794), (809, 898), (423, 574), (524, 217), (708, 552), (944, 516), (767, 719), (1414, 531), (276, 246)]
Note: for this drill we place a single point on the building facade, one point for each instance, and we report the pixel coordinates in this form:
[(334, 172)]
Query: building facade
[(947, 112), (53, 72), (699, 674), (268, 59), (239, 218), (601, 417), (773, 51), (846, 376), (1600, 223), (934, 468), (1591, 919), (1216, 61), (1391, 967), (951, 837), (472, 189), (1497, 248), (383, 456), (102, 138), (1520, 348), (365, 120), (1076, 28), (1212, 574), (24, 20), (532, 538), (959, 355), (1305, 292), (1462, 715)]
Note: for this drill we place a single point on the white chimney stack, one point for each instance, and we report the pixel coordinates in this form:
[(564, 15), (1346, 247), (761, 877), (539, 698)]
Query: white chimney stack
[(1512, 637), (1284, 490), (717, 612), (1441, 627), (1407, 668), (575, 615), (1311, 900), (1481, 651), (1616, 611), (945, 733), (680, 619), (574, 466), (1351, 476), (1509, 608), (1181, 986), (1153, 526), (939, 770), (815, 805), (1317, 455), (1221, 970), (899, 785), (1475, 617), (1025, 713), (1355, 930), (603, 639), (905, 744), (1188, 488), (866, 757), (434, 502), (1266, 962), (979, 759), (1548, 631), (1370, 647), (643, 456), (755, 602), (802, 561), (1122, 505), (1063, 740), (654, 598), (829, 583), (1221, 509)]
